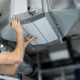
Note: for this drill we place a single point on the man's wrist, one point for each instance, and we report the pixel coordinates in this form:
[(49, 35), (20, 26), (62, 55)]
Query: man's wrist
[(19, 33)]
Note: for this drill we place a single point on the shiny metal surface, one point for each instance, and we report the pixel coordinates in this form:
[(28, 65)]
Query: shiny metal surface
[(77, 3), (65, 14), (59, 4)]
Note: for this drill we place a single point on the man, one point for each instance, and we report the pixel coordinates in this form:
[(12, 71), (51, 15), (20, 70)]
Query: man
[(11, 60)]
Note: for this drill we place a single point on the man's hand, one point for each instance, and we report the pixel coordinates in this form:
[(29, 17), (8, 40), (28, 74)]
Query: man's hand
[(17, 26), (29, 39)]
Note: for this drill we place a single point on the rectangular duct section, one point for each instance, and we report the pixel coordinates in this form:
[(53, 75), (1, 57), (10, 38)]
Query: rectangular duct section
[(41, 28)]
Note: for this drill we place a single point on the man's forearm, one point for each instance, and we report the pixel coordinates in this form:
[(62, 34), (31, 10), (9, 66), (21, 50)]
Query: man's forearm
[(19, 50)]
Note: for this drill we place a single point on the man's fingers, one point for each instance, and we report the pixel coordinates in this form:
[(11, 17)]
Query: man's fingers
[(15, 21), (34, 38), (31, 37), (18, 20)]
